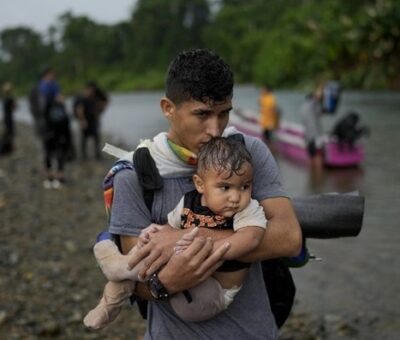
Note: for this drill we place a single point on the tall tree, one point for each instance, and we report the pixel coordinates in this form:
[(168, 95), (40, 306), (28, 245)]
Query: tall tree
[(24, 53), (162, 28)]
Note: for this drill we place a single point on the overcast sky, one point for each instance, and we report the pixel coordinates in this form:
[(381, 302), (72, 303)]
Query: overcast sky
[(40, 14)]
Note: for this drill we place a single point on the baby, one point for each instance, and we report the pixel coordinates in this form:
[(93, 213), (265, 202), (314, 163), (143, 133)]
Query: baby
[(222, 200)]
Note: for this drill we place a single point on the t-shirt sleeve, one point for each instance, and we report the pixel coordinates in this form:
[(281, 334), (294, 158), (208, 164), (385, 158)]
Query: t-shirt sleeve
[(129, 213), (174, 217), (252, 216), (266, 177)]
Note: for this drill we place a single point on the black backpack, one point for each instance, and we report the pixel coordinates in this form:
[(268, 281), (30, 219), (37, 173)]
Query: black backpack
[(57, 114), (277, 277)]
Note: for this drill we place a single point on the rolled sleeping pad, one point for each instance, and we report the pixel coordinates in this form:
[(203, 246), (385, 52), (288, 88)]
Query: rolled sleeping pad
[(330, 215)]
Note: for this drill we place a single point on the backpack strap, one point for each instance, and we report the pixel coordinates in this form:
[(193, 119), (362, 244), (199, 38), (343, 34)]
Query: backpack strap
[(108, 183), (148, 175)]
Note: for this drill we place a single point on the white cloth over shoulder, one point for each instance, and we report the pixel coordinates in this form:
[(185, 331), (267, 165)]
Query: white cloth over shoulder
[(168, 163)]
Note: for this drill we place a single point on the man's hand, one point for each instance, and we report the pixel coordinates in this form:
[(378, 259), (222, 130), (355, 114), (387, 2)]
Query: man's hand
[(192, 266), (145, 235), (157, 251)]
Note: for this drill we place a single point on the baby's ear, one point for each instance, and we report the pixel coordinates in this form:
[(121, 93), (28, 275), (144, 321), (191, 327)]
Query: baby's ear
[(198, 183)]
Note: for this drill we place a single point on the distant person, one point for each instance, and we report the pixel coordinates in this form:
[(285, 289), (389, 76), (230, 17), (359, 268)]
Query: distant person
[(56, 139), (311, 113), (9, 107), (269, 113), (49, 89), (88, 109), (221, 200), (36, 104), (41, 99)]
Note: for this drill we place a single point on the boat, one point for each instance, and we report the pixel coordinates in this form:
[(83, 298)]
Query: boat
[(289, 141)]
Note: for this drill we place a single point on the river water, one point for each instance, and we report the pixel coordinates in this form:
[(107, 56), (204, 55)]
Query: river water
[(359, 278)]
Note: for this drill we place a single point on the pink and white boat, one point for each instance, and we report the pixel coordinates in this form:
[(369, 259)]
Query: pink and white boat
[(290, 142)]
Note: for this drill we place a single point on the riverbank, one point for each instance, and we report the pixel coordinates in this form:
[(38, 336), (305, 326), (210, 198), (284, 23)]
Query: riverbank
[(48, 276)]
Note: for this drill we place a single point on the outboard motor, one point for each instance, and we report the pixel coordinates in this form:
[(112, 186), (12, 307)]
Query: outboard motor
[(331, 97)]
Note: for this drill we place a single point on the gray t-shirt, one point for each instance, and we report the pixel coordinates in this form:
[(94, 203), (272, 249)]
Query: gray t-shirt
[(311, 113), (249, 316)]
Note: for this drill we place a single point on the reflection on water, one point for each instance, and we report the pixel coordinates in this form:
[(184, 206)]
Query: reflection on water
[(345, 282)]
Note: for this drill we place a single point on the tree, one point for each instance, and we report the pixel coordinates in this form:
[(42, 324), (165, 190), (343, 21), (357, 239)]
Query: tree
[(24, 53), (163, 28)]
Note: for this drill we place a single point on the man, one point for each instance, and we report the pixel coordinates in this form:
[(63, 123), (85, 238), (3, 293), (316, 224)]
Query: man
[(199, 88), (9, 107), (88, 110), (269, 113), (311, 113), (41, 98)]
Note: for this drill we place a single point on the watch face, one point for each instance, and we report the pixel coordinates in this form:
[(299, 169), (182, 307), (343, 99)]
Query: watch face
[(156, 288)]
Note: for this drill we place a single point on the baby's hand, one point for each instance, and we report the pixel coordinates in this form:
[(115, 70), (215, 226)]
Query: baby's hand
[(144, 236)]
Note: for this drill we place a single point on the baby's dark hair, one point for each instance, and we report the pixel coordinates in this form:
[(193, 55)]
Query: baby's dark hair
[(223, 154), (200, 75)]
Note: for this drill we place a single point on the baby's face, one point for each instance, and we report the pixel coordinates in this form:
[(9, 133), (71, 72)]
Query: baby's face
[(227, 196)]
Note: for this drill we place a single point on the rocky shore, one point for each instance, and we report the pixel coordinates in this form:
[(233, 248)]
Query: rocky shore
[(48, 276)]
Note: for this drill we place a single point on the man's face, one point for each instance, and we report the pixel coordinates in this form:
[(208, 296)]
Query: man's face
[(194, 123), (224, 195)]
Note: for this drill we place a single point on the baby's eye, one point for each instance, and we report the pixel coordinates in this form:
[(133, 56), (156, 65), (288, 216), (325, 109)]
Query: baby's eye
[(246, 187), (224, 188)]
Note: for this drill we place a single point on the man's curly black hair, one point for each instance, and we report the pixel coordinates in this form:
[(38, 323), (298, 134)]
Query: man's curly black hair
[(223, 154), (200, 75)]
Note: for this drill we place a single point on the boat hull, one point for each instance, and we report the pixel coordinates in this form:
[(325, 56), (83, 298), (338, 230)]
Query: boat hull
[(289, 141)]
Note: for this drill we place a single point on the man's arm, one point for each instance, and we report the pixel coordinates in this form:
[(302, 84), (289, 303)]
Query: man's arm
[(243, 242), (283, 237), (127, 243)]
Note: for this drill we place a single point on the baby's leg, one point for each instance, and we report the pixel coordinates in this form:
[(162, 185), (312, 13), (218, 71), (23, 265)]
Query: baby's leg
[(114, 296), (113, 264), (208, 300)]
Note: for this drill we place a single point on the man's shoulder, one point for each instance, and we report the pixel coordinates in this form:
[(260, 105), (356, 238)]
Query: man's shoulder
[(121, 170), (255, 146)]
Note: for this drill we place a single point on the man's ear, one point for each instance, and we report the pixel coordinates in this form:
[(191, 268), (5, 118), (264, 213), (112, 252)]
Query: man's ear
[(167, 107), (198, 183)]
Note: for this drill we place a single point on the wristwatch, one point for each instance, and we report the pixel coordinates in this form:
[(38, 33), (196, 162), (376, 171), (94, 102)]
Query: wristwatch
[(156, 288)]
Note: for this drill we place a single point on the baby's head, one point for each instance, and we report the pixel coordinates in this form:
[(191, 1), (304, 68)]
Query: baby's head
[(224, 176)]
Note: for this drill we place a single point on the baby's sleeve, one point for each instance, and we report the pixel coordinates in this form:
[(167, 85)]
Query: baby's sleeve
[(174, 216), (251, 216)]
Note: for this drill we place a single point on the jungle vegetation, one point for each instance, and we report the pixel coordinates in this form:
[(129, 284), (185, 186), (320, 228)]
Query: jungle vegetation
[(287, 44)]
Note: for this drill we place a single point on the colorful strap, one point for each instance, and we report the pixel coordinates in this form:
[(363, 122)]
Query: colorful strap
[(108, 183)]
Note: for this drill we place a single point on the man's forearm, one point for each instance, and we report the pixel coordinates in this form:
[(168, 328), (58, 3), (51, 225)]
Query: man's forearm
[(243, 242), (127, 243), (283, 237)]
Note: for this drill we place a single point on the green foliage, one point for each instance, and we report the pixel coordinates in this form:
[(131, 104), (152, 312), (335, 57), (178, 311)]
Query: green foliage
[(282, 43)]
